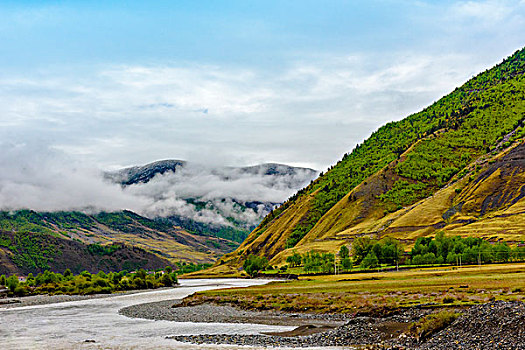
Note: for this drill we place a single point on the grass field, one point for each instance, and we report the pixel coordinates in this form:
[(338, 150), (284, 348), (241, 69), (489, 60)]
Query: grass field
[(380, 292)]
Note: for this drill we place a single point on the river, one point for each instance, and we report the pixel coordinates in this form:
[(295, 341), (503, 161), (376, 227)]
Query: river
[(68, 325)]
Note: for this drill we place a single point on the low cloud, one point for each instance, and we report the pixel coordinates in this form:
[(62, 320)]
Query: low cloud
[(216, 194), (37, 177)]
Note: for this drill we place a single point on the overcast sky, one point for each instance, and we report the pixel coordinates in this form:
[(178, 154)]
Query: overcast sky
[(115, 83)]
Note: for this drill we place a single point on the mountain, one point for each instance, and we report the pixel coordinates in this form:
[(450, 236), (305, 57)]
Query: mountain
[(196, 214), (225, 202), (457, 166), (32, 241)]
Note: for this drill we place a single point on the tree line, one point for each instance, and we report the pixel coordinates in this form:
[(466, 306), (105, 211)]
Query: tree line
[(369, 253), (87, 283)]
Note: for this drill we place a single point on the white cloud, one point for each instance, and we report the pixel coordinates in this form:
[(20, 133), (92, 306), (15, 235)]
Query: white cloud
[(307, 110), (309, 113), (39, 178), (36, 177)]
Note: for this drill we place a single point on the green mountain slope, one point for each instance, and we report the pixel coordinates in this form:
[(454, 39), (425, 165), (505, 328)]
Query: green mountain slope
[(31, 241), (427, 154), (32, 252)]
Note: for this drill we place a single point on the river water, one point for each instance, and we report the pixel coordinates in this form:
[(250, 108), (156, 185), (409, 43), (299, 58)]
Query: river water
[(67, 325)]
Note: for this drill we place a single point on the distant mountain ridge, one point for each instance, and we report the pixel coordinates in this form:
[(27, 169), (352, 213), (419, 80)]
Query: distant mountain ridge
[(144, 173), (456, 167)]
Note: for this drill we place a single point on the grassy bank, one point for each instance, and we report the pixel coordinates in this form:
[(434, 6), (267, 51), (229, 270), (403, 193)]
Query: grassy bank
[(380, 292)]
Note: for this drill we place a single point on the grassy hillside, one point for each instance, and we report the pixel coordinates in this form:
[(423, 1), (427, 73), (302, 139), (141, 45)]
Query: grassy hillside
[(433, 170), (33, 252), (33, 241)]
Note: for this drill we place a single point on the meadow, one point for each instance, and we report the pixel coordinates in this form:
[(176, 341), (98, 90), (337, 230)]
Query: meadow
[(379, 293)]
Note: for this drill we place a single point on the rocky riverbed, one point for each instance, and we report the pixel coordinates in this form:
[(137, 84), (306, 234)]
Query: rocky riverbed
[(498, 325), (209, 313)]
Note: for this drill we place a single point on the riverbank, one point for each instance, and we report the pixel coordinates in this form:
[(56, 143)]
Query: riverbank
[(312, 329), (496, 325), (374, 308), (44, 299)]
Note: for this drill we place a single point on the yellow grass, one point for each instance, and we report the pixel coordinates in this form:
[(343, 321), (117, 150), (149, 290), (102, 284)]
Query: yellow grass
[(380, 291)]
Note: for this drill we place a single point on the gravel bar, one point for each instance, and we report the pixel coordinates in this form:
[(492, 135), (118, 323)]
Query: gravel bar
[(210, 313), (497, 325)]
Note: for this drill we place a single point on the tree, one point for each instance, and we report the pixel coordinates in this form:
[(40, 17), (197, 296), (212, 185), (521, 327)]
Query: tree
[(253, 264), (12, 283), (294, 259), (361, 247), (344, 252), (370, 261), (391, 251), (346, 263)]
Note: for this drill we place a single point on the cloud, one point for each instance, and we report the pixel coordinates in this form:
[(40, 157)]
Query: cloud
[(39, 178), (60, 127), (216, 194), (309, 113)]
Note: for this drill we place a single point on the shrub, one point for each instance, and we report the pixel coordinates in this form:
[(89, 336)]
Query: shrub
[(254, 264), (166, 280), (448, 300), (431, 324)]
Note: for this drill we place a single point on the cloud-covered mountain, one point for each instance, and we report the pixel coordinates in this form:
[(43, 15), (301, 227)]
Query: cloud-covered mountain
[(219, 200)]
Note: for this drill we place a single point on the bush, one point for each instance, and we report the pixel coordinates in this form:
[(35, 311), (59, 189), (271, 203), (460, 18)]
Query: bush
[(431, 324), (253, 264), (166, 280), (448, 300)]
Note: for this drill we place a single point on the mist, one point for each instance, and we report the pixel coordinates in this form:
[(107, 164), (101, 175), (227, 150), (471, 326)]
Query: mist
[(38, 177), (223, 191)]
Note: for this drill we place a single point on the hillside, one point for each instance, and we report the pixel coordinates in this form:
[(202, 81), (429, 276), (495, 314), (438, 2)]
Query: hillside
[(27, 236), (457, 166), (23, 253)]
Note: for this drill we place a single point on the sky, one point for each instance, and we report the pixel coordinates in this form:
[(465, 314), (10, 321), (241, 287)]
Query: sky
[(99, 85)]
